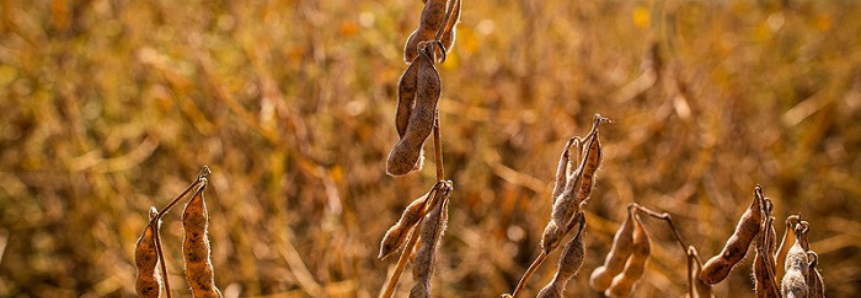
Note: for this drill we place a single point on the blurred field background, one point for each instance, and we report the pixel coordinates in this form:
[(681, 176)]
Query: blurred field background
[(110, 107)]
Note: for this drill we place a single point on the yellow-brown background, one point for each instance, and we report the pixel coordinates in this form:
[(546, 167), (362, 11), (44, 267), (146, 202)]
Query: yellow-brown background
[(109, 107)]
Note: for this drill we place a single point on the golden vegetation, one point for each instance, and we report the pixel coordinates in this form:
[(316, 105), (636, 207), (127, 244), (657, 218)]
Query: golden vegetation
[(106, 107)]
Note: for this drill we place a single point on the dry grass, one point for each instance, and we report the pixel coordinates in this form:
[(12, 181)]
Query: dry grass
[(108, 107)]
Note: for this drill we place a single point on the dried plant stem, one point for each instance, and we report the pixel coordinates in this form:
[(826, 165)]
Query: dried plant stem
[(665, 217), (163, 269), (690, 274), (529, 272), (437, 147), (204, 173)]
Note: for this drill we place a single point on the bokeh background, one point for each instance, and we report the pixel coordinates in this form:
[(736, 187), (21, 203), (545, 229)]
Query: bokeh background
[(108, 107)]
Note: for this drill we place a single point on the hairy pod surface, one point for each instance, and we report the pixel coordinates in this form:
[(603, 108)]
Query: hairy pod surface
[(148, 282), (407, 87), (794, 283), (591, 163), (196, 248), (623, 246), (562, 168), (405, 156), (431, 236), (430, 23), (570, 262), (572, 255), (577, 190), (623, 283), (718, 267), (397, 234)]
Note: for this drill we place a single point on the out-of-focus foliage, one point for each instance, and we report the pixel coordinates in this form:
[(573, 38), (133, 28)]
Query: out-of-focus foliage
[(110, 107)]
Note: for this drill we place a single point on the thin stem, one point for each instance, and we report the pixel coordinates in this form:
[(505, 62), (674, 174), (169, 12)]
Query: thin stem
[(693, 260), (204, 173), (690, 274), (529, 272), (160, 254), (437, 146), (665, 217)]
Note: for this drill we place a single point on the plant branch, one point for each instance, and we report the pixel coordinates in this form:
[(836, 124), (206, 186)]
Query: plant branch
[(529, 272), (437, 148), (665, 217)]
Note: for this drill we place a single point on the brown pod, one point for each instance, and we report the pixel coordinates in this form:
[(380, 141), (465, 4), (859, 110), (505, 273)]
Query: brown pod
[(763, 262), (570, 262), (406, 154), (397, 234), (196, 248), (563, 166), (591, 162), (448, 34), (794, 283), (431, 236), (577, 190), (623, 283), (430, 23), (719, 266), (815, 284), (623, 246), (407, 87), (148, 282)]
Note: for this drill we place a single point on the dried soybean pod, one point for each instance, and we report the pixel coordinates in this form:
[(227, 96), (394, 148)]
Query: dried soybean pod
[(783, 249), (570, 262), (763, 262), (623, 245), (719, 266), (196, 249), (577, 190), (448, 34), (815, 284), (623, 284), (148, 282), (794, 283), (405, 156), (591, 162), (407, 87), (431, 236), (397, 234), (562, 168), (430, 23)]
